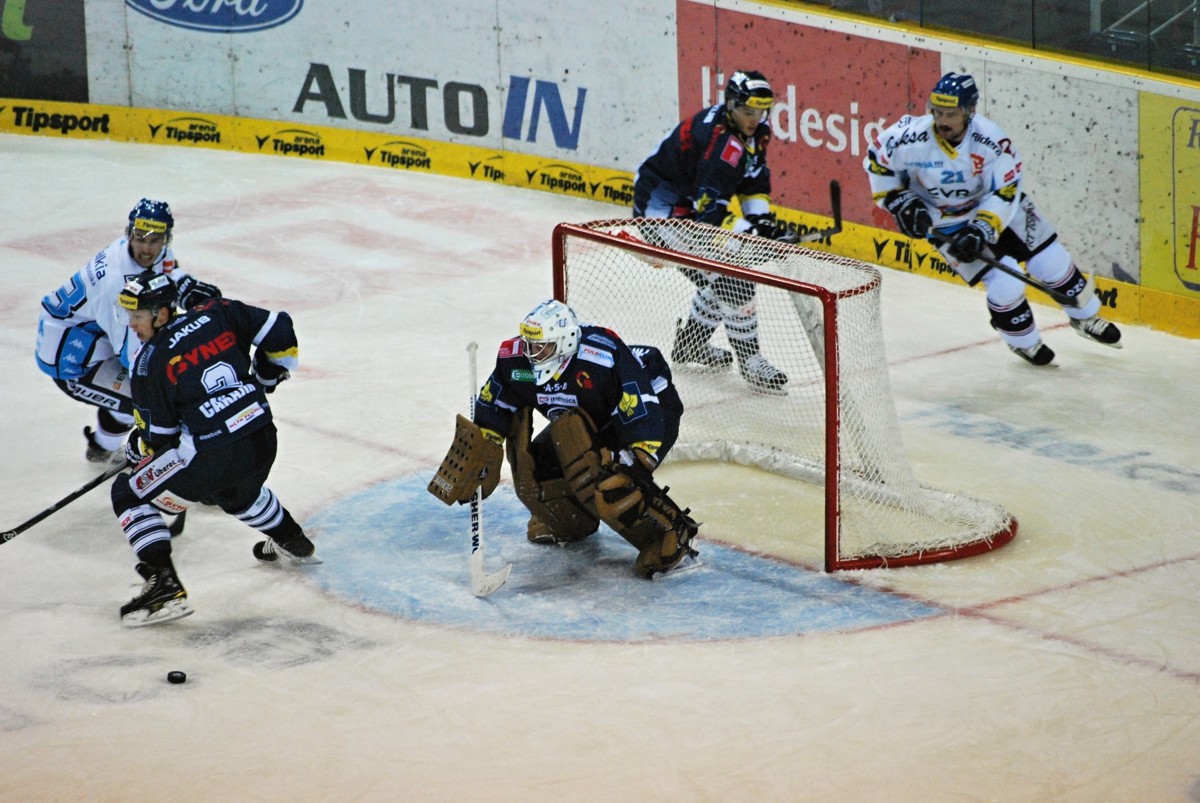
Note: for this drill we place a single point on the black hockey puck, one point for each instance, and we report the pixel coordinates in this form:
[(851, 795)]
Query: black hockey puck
[(176, 677)]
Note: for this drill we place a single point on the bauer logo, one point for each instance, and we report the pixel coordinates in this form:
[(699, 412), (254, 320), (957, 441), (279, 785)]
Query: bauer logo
[(292, 142), (219, 16), (558, 178), (186, 130), (404, 155)]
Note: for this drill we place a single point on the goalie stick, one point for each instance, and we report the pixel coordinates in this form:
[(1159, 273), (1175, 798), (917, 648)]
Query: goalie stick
[(1016, 273), (113, 471), (482, 584)]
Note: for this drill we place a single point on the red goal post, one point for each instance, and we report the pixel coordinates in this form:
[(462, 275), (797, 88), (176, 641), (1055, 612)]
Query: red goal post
[(819, 321)]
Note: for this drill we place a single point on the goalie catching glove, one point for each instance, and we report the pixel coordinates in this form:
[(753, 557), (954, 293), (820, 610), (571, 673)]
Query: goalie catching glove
[(472, 463)]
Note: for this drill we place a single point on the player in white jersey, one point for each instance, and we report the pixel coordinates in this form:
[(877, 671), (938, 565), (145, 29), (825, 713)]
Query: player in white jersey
[(84, 342), (954, 176)]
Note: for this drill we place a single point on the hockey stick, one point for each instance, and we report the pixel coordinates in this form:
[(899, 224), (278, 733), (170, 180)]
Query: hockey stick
[(835, 202), (481, 584), (113, 471), (1016, 273)]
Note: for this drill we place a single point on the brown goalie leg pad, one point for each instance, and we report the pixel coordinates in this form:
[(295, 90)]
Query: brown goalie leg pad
[(557, 517), (472, 462), (574, 438), (646, 517)]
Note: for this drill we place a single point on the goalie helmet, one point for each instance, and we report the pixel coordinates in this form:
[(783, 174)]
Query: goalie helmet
[(551, 337), (955, 90), (149, 291), (749, 88)]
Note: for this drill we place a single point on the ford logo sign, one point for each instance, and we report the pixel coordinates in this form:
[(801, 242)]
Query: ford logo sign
[(219, 16)]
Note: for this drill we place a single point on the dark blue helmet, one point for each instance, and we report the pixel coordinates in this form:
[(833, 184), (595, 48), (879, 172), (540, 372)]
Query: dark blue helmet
[(750, 88), (955, 90), (148, 290), (151, 216)]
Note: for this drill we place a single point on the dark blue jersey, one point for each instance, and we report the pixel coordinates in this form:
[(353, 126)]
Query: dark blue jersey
[(193, 381), (605, 379), (705, 163)]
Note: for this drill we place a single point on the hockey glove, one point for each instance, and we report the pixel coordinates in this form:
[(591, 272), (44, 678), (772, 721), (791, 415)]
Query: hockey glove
[(912, 218), (136, 449), (268, 375), (770, 227), (192, 291), (637, 462), (970, 240)]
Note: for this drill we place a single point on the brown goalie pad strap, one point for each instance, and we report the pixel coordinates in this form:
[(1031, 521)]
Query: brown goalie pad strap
[(472, 462), (574, 438), (642, 513), (551, 501)]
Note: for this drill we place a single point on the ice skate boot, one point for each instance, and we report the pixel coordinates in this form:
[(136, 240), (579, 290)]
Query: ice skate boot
[(1037, 354), (1097, 329), (162, 599), (692, 346), (297, 550), (97, 453), (762, 376)]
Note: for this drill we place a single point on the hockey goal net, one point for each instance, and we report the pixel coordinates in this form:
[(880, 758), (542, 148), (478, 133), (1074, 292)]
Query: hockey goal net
[(819, 321)]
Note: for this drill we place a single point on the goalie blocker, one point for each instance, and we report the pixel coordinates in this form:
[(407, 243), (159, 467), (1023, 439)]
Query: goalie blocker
[(593, 486)]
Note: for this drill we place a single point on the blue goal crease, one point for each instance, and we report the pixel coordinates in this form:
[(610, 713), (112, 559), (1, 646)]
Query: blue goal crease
[(396, 549)]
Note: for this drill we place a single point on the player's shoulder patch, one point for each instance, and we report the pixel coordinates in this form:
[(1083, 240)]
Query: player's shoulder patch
[(513, 347), (631, 407), (603, 340), (596, 355)]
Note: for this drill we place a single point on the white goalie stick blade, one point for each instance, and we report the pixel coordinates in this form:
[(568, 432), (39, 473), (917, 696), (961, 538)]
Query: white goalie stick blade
[(484, 584)]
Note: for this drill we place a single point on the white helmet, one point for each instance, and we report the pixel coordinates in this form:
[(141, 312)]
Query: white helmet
[(551, 334)]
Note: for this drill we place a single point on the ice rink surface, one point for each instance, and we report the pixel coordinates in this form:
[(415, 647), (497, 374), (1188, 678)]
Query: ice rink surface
[(1064, 667)]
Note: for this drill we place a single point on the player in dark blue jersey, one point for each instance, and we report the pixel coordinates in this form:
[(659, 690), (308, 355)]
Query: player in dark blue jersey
[(614, 415), (204, 431), (710, 158)]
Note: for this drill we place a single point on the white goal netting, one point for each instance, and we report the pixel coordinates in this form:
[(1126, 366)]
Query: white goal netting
[(819, 322)]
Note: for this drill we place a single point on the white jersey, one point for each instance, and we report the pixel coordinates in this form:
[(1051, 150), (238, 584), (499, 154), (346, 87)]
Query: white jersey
[(979, 178), (81, 324)]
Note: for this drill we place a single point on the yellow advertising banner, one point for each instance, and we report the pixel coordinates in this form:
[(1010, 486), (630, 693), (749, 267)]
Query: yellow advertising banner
[(1170, 194)]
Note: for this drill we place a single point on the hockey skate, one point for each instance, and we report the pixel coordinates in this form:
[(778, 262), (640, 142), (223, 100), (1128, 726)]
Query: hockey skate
[(297, 550), (539, 532), (97, 453), (692, 346), (1097, 329), (162, 599), (1038, 354), (762, 376)]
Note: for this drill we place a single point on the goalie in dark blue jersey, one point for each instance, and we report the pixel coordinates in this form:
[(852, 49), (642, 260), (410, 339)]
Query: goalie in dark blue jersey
[(614, 415)]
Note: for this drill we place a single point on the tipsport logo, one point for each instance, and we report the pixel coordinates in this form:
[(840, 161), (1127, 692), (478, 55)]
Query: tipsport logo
[(186, 130), (401, 155), (568, 180), (36, 120), (292, 142)]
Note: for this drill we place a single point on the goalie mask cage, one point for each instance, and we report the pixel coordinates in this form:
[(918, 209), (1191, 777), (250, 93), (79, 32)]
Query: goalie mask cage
[(819, 322)]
